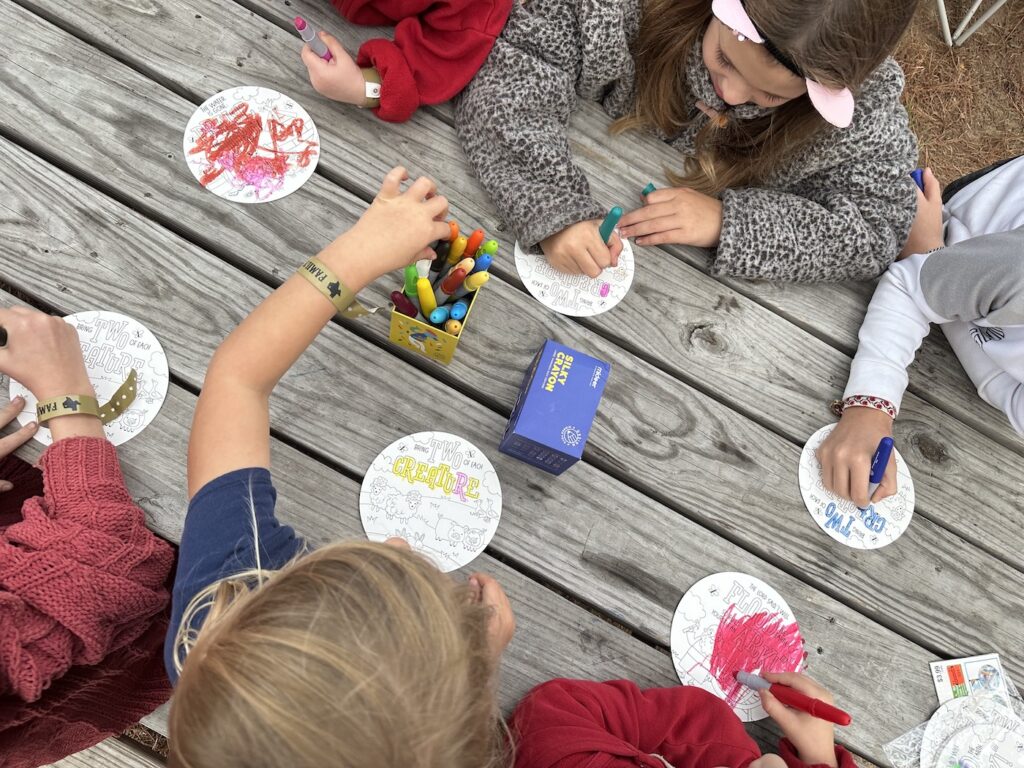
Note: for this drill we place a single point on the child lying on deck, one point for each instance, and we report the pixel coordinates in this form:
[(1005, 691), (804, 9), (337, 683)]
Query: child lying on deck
[(972, 283)]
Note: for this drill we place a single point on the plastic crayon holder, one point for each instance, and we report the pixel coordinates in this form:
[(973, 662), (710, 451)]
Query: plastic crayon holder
[(426, 339)]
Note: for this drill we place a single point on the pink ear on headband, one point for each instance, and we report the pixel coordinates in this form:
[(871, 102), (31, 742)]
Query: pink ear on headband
[(734, 15), (835, 106)]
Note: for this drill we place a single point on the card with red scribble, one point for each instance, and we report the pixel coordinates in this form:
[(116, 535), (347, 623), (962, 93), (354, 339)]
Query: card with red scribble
[(728, 622), (251, 144)]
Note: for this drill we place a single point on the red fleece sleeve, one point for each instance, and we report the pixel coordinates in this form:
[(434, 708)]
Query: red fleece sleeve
[(80, 575), (437, 49), (788, 753), (575, 723)]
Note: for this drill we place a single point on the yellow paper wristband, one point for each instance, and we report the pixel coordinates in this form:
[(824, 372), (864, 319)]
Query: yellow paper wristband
[(67, 405), (328, 283)]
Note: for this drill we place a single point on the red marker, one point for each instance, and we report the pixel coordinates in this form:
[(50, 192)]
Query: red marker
[(791, 697), (403, 305), (449, 285)]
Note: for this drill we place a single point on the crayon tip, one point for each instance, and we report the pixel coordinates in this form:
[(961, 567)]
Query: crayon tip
[(300, 23)]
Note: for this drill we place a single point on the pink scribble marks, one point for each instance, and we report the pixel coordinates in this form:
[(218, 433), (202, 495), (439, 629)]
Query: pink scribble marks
[(230, 144), (606, 288), (754, 642)]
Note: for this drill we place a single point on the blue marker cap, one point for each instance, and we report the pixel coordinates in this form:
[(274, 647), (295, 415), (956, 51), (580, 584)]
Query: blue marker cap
[(458, 310), (483, 263), (881, 460), (439, 316), (918, 176)]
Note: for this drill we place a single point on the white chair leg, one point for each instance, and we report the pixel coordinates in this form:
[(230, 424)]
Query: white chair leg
[(944, 23), (961, 39), (967, 19)]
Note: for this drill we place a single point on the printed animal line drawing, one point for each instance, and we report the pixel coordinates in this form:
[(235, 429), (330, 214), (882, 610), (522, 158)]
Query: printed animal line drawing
[(983, 333), (484, 508), (456, 534)]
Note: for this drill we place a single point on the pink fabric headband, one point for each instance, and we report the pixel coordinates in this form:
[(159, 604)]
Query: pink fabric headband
[(835, 106)]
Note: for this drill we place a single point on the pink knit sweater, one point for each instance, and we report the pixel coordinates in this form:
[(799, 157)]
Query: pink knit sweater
[(80, 575)]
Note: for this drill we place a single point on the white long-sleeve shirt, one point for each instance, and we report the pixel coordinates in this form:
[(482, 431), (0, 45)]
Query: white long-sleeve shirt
[(974, 288)]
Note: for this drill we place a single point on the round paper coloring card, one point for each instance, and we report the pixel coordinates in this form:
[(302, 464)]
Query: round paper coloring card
[(958, 714), (113, 345), (878, 525), (436, 491), (576, 295), (251, 144), (983, 745), (729, 622)]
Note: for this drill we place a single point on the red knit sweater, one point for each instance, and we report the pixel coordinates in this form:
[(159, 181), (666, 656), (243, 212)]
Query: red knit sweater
[(580, 724), (80, 575), (439, 45)]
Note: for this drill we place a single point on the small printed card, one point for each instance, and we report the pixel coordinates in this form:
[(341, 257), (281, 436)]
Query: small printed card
[(968, 677)]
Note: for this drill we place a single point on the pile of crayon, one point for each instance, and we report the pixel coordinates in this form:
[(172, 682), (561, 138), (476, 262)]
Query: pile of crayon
[(437, 292)]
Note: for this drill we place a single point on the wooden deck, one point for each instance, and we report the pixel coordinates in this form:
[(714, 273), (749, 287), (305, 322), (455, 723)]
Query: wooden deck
[(691, 467)]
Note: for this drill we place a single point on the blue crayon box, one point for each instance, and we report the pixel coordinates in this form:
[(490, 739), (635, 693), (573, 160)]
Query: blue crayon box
[(555, 408)]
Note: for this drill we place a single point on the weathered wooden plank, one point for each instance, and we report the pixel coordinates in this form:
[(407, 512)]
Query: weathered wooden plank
[(615, 164), (112, 753), (727, 345), (628, 564)]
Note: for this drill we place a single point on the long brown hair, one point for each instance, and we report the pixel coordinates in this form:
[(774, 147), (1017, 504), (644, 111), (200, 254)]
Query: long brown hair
[(835, 42), (357, 654)]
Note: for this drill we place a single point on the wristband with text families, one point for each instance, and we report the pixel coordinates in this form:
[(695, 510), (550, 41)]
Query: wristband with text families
[(328, 283)]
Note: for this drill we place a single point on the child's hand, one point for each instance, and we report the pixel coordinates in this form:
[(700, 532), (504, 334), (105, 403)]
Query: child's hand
[(675, 215), (846, 456), (396, 230), (43, 353), (578, 249), (926, 232), (10, 443), (340, 78), (488, 591), (813, 738)]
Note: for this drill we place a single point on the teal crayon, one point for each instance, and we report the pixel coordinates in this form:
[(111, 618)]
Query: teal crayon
[(608, 225), (439, 316), (648, 189), (458, 309)]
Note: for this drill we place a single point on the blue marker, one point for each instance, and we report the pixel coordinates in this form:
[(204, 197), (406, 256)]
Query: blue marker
[(483, 263), (918, 176), (439, 316), (648, 189), (458, 309), (878, 465)]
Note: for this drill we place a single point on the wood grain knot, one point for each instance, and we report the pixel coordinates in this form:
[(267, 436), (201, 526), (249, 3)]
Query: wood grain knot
[(931, 449), (703, 336)]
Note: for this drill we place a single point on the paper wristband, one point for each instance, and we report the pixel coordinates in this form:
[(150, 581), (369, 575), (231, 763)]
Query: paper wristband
[(325, 281), (72, 405)]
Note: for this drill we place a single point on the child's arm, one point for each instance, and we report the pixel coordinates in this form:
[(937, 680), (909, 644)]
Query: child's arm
[(568, 723), (231, 427), (438, 46), (513, 117)]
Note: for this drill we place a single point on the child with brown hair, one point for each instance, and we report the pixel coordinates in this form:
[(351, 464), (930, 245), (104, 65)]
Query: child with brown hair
[(787, 113), (355, 654)]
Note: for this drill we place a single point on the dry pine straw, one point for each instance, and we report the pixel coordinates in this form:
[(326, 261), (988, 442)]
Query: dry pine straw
[(966, 104)]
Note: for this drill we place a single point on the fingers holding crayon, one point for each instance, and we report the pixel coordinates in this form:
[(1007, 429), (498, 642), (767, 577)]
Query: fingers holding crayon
[(579, 249)]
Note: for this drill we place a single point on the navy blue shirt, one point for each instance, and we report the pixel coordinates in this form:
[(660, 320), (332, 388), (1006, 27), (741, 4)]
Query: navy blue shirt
[(219, 540)]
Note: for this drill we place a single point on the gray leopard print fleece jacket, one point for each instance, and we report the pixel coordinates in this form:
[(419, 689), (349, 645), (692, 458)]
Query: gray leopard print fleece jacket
[(839, 210)]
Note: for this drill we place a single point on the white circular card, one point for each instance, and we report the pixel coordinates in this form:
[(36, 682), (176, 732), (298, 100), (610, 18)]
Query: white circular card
[(728, 622), (962, 713), (983, 745), (113, 344), (436, 491), (251, 144), (878, 525), (576, 295)]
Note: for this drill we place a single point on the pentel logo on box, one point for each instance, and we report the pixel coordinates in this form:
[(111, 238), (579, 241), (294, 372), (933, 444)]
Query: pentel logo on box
[(555, 408)]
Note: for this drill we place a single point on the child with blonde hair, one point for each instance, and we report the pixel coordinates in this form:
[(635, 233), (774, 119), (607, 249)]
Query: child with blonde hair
[(787, 114), (356, 654)]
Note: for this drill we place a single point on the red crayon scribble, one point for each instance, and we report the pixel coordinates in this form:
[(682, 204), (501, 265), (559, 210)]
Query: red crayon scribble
[(755, 642), (231, 144)]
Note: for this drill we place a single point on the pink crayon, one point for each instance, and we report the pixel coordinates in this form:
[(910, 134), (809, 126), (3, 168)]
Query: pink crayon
[(309, 35)]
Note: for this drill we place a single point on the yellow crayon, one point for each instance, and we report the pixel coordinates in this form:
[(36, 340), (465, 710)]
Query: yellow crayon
[(458, 248), (425, 291), (466, 264), (454, 327), (471, 283)]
